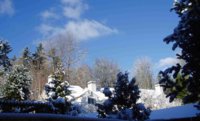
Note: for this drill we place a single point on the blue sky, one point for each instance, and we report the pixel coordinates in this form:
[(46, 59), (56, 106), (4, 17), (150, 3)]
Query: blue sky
[(119, 30)]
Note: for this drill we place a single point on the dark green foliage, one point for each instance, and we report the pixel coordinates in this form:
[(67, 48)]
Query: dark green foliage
[(55, 60), (5, 49), (186, 37), (26, 57), (39, 58), (122, 102), (57, 90), (18, 84)]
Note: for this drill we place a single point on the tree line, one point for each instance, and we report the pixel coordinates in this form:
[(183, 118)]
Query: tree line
[(65, 53)]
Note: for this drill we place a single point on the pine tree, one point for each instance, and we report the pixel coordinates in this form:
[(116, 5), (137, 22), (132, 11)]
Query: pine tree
[(123, 101), (39, 71), (39, 57), (186, 37), (18, 84), (5, 49), (56, 90), (26, 57), (55, 60)]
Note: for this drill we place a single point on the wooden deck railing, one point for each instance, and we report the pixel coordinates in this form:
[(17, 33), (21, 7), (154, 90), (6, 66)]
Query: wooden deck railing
[(59, 117)]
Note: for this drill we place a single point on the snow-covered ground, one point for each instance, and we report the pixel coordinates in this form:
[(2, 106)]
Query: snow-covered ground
[(187, 110), (184, 111)]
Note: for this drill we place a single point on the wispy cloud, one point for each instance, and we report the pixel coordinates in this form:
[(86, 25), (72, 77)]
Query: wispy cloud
[(73, 8), (82, 29), (48, 30), (49, 14), (88, 29), (6, 7)]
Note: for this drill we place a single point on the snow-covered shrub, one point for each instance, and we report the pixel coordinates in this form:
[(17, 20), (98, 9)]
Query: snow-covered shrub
[(16, 87), (88, 108), (121, 103), (18, 84), (156, 101)]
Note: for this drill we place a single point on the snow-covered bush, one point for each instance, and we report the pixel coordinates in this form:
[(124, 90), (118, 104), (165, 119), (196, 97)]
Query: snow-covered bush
[(16, 88), (155, 102), (121, 103), (88, 108), (18, 84)]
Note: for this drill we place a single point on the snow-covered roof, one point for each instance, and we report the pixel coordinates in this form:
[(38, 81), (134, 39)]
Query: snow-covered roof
[(77, 92), (75, 88), (100, 95), (150, 91)]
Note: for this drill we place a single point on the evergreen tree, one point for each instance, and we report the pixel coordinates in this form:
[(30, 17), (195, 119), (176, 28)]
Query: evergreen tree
[(186, 37), (122, 102), (13, 60), (39, 71), (39, 57), (55, 60), (56, 90), (5, 49), (26, 57), (18, 84)]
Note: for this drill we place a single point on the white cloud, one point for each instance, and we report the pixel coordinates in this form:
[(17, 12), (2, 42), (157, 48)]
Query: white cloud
[(82, 30), (49, 14), (6, 7), (167, 62), (87, 29), (46, 30), (73, 8)]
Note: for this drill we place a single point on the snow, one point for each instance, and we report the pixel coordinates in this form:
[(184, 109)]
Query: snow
[(75, 89), (156, 99), (100, 96), (51, 85), (77, 93), (187, 110), (111, 89), (52, 94)]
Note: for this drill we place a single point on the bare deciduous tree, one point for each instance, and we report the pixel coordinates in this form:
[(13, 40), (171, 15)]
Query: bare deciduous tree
[(83, 75), (143, 73), (68, 50), (105, 72)]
